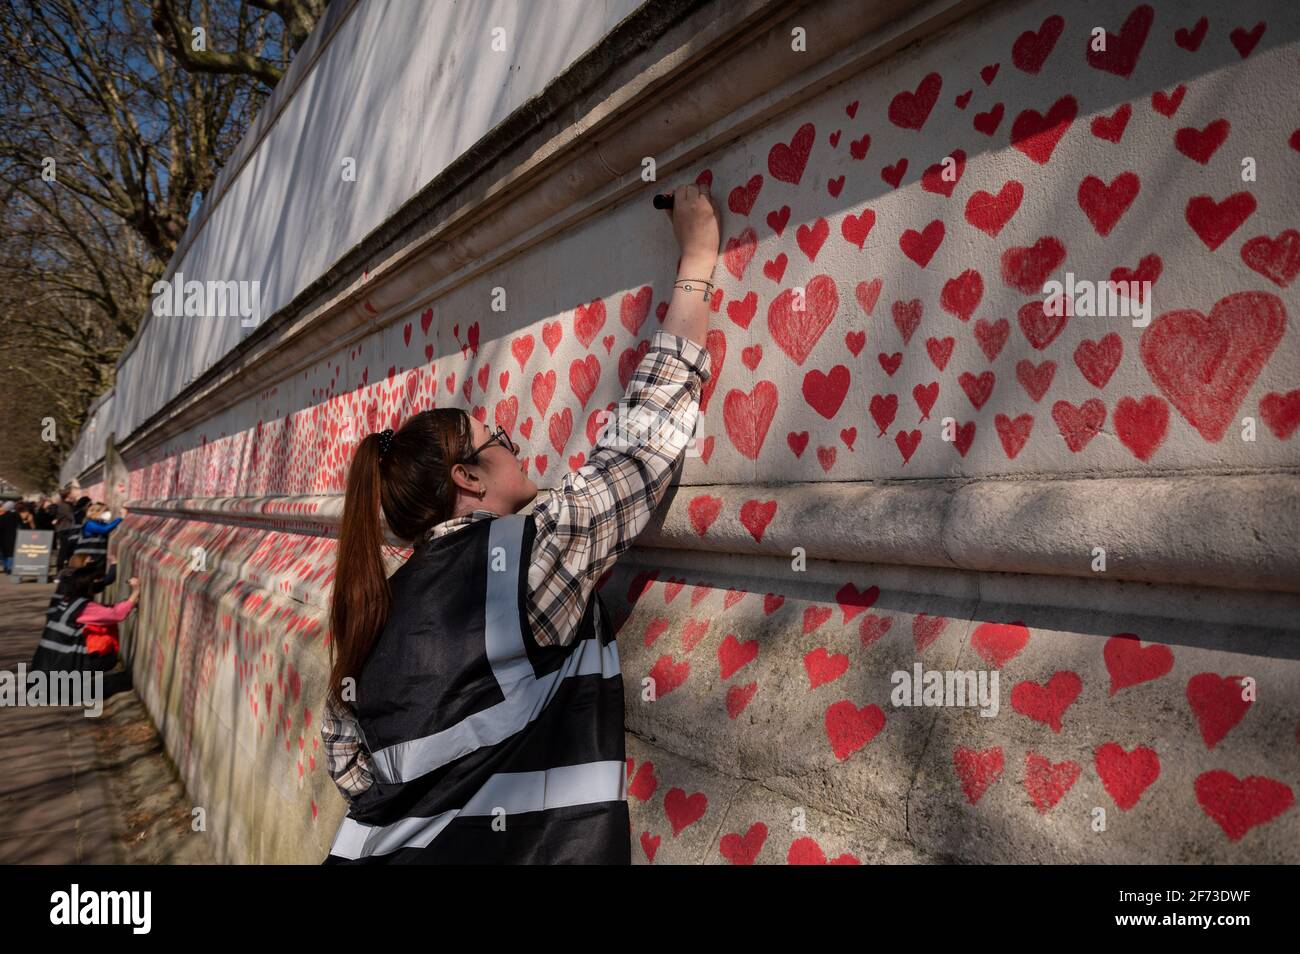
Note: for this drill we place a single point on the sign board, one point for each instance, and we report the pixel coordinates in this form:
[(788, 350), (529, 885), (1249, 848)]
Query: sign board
[(32, 554)]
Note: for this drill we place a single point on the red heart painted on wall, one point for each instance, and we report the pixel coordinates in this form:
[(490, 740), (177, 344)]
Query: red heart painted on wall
[(1111, 128), (1026, 268), (1031, 48), (961, 295), (683, 810), (989, 213), (1200, 144), (796, 330), (1047, 703), (910, 110), (849, 728), (1119, 54), (1046, 782), (1239, 804), (1130, 663), (1036, 135), (787, 162), (1281, 412), (1105, 204), (1218, 704), (999, 643), (1277, 259), (921, 246), (1079, 425), (1204, 365), (742, 850), (1126, 775), (747, 417), (977, 769)]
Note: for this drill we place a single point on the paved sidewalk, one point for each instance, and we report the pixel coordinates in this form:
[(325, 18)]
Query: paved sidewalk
[(75, 790)]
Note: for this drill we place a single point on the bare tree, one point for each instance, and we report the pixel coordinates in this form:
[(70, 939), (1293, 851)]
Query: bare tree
[(254, 43), (105, 148)]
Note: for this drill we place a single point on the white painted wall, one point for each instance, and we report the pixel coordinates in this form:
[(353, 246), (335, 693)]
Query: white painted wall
[(404, 87)]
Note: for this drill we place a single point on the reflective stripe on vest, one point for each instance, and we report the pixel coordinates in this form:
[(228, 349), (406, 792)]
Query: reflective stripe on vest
[(525, 695)]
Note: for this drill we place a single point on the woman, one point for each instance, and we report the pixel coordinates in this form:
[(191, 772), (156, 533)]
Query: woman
[(475, 705)]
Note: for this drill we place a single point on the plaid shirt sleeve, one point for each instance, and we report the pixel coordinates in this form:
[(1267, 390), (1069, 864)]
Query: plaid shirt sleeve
[(346, 758), (598, 510)]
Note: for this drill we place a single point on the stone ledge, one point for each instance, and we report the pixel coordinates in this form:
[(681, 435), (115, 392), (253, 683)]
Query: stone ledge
[(1238, 532)]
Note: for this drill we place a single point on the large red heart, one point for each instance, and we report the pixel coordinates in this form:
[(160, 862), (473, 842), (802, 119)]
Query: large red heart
[(1217, 704), (1126, 775), (910, 110), (1036, 135), (1047, 703), (1130, 663), (1205, 366), (795, 329), (1238, 805)]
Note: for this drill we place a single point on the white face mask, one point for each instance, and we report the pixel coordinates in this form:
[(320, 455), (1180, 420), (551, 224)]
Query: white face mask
[(106, 516)]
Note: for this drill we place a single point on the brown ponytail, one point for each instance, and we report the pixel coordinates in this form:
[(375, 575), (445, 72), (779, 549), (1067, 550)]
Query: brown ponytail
[(413, 488)]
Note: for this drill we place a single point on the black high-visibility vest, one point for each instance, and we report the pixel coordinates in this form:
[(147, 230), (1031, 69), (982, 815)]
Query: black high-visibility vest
[(487, 748), (93, 545), (63, 642)]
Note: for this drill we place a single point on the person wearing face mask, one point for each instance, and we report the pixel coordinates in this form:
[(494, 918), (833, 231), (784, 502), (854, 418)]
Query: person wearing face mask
[(475, 703), (92, 539)]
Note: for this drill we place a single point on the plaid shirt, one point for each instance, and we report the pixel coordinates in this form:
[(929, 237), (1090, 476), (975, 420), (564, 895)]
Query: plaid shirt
[(583, 525)]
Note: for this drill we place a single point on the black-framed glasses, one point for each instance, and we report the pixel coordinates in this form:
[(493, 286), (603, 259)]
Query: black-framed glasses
[(499, 436)]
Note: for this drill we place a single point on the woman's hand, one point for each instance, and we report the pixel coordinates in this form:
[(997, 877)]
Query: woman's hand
[(695, 223), (134, 583)]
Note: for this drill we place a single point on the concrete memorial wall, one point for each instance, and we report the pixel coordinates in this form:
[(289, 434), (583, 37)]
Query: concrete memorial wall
[(911, 462)]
